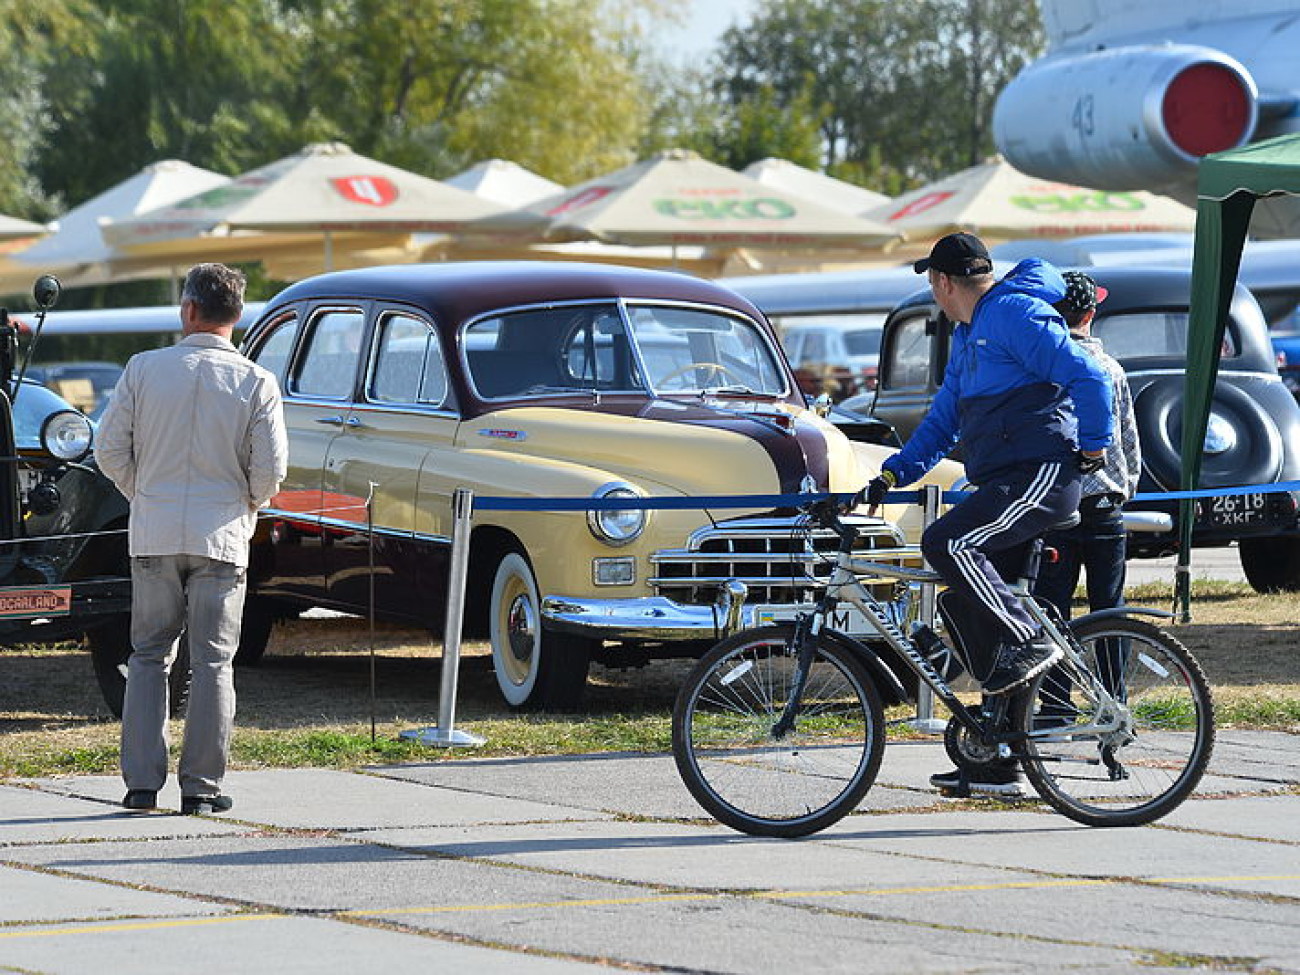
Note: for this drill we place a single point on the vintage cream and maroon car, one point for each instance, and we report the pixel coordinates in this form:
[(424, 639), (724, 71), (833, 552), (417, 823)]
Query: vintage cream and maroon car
[(537, 380)]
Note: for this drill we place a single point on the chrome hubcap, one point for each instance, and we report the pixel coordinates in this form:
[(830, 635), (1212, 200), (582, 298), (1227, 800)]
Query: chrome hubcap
[(521, 628)]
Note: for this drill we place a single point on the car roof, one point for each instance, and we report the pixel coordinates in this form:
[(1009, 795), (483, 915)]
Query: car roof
[(878, 289), (457, 291), (1128, 288)]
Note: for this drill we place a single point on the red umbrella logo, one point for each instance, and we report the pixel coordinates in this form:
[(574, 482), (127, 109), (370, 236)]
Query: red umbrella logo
[(375, 191)]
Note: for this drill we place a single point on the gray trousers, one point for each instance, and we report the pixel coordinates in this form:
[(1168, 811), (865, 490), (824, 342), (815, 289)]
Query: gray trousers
[(201, 600)]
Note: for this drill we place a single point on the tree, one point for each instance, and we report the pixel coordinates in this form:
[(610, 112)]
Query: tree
[(435, 84), (29, 34), (902, 93), (186, 79)]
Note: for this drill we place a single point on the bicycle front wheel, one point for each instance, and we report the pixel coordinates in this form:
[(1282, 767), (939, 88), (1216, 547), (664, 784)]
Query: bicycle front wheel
[(730, 757), (1129, 755)]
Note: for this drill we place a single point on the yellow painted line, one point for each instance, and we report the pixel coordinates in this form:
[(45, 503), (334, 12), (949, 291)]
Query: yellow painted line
[(100, 928), (776, 894), (96, 928)]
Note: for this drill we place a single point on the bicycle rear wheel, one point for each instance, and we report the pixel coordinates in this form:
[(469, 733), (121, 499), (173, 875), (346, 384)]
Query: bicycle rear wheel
[(746, 777), (1157, 750)]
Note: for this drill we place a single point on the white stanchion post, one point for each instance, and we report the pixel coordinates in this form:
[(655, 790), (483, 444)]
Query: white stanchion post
[(445, 733), (925, 720)]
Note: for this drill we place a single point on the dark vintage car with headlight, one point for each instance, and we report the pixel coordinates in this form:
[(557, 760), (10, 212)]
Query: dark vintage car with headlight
[(64, 571), (537, 380), (1253, 437)]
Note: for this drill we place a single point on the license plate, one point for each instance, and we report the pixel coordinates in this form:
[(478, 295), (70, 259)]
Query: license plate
[(1235, 511), (846, 618), (28, 603)]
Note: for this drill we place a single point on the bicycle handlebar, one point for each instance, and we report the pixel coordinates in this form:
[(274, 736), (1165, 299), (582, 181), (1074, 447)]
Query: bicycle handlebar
[(826, 513)]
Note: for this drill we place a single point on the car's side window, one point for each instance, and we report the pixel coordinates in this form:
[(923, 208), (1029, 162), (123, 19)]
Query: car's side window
[(328, 364), (909, 355), (273, 352), (409, 365), (1153, 334)]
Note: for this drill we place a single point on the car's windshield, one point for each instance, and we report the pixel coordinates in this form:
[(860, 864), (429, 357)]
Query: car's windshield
[(692, 350), (564, 350), (1153, 335)]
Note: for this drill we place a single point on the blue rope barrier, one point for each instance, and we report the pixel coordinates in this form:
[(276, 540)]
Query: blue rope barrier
[(490, 503)]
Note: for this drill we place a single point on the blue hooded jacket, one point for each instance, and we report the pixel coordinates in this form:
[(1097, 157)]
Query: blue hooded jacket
[(1013, 386)]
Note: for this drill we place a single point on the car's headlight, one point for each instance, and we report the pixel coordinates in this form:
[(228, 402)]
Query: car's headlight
[(617, 527), (66, 435)]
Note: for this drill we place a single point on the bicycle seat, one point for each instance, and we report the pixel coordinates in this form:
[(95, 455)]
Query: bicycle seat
[(1065, 524)]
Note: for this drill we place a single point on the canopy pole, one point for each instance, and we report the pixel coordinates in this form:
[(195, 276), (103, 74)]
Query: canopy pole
[(329, 250)]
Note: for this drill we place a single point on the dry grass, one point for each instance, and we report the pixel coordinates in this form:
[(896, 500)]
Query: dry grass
[(316, 680)]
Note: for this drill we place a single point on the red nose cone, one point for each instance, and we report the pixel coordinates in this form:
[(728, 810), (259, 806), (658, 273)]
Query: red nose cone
[(1206, 109)]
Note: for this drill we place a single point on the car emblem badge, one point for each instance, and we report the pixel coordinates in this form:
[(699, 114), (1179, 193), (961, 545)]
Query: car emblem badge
[(807, 485), (503, 434)]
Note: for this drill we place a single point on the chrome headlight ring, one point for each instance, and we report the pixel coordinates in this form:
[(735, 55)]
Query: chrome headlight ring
[(67, 435), (617, 527)]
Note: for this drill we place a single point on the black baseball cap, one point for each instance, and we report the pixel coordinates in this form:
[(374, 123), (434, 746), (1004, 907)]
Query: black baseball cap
[(1082, 293), (960, 255)]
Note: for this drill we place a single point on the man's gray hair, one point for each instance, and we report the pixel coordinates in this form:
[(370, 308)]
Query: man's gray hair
[(217, 292)]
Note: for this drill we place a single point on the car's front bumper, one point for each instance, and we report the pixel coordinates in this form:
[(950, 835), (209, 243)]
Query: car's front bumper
[(647, 618)]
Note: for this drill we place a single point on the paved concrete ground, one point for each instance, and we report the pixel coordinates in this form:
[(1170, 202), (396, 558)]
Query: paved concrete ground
[(573, 864)]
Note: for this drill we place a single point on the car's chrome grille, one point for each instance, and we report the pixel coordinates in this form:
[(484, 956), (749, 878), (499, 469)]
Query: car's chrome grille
[(779, 560)]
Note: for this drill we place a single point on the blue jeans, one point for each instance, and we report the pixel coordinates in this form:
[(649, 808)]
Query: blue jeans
[(176, 597)]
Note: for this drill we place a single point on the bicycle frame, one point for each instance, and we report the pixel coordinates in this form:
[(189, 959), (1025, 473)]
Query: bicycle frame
[(1111, 716)]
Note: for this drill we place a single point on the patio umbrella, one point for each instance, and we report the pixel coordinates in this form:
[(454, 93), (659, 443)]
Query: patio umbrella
[(815, 186), (504, 182), (325, 194), (11, 228), (677, 197), (77, 253), (996, 201)]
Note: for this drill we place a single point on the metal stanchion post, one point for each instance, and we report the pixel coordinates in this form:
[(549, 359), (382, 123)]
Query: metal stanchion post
[(925, 720), (445, 733)]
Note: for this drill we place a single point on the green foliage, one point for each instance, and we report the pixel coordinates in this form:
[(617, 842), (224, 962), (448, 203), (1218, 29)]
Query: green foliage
[(902, 93)]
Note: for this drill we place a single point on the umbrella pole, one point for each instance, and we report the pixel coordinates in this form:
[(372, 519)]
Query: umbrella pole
[(329, 250), (173, 289)]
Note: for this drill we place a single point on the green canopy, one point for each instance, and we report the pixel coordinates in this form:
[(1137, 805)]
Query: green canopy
[(1228, 185)]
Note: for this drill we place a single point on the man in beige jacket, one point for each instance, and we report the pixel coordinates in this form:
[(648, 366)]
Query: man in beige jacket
[(194, 436)]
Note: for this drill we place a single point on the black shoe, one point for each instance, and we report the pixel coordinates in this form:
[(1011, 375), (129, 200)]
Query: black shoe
[(1001, 779), (205, 805), (1019, 664), (139, 799)]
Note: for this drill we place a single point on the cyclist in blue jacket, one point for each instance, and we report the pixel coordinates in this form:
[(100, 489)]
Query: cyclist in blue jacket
[(1031, 410)]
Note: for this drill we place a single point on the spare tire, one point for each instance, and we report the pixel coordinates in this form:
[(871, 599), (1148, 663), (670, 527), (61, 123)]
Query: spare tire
[(1242, 444)]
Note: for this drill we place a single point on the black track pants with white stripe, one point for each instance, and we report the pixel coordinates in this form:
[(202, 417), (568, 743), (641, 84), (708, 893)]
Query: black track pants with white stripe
[(1006, 513)]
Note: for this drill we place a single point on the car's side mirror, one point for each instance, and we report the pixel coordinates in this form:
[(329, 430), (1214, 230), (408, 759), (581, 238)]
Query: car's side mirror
[(822, 405), (46, 291)]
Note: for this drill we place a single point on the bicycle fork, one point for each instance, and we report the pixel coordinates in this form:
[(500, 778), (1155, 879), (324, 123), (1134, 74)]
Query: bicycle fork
[(807, 628)]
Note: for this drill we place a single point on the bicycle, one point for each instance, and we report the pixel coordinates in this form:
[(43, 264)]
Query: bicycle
[(779, 729)]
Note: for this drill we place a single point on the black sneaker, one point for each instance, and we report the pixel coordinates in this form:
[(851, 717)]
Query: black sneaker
[(1018, 664), (205, 805), (1001, 779), (140, 799)]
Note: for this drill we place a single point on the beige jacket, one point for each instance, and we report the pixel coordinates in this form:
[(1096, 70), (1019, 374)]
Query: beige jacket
[(194, 436)]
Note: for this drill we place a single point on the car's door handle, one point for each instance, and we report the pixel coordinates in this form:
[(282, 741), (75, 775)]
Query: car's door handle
[(334, 421), (353, 421)]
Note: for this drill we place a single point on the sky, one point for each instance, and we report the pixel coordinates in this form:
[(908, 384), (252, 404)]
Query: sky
[(706, 20)]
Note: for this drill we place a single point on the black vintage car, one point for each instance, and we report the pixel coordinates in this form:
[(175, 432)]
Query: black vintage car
[(1254, 428), (64, 570)]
